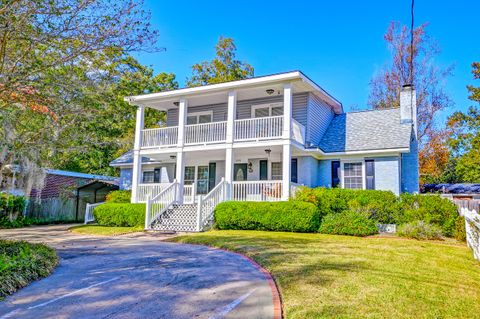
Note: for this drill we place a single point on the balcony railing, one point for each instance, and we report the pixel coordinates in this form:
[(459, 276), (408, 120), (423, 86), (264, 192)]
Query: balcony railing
[(270, 191), (212, 132), (156, 137), (259, 128), (298, 132)]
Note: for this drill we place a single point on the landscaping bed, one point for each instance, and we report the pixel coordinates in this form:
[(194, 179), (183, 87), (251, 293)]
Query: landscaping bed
[(22, 262), (331, 276)]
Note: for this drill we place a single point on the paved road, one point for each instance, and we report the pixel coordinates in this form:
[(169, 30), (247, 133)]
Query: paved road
[(138, 276)]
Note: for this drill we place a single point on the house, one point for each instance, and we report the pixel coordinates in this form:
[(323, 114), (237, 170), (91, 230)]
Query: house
[(65, 194), (258, 139)]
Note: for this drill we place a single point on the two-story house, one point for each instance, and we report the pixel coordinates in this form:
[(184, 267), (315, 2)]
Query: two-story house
[(256, 140)]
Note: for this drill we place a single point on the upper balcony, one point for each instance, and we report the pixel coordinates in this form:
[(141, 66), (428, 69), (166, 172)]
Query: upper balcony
[(245, 130)]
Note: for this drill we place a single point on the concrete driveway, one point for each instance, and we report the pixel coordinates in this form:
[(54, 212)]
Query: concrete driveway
[(138, 276)]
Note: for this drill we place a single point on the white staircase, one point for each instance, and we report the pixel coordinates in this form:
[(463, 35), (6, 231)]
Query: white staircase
[(165, 214)]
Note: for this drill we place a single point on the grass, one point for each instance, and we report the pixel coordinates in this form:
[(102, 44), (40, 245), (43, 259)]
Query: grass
[(104, 230), (328, 276), (22, 263)]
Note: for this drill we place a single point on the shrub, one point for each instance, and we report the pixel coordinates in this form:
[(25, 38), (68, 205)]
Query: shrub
[(420, 230), (381, 206), (431, 209), (20, 221), (293, 216), (22, 262), (119, 197), (460, 233), (348, 223), (118, 214)]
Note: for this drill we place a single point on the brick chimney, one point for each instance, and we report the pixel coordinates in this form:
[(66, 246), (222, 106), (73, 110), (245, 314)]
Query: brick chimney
[(408, 106)]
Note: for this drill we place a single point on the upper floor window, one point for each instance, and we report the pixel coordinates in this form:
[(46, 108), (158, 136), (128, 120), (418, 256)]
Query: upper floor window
[(264, 110), (199, 117)]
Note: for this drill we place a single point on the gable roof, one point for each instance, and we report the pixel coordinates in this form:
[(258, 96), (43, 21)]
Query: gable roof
[(127, 159), (365, 131)]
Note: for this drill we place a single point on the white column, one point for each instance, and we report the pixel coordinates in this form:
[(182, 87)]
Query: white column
[(229, 162), (286, 170), (287, 111), (137, 160), (231, 115), (180, 175), (182, 121)]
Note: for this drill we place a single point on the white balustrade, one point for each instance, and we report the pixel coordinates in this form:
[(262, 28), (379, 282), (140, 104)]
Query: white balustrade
[(206, 133), (470, 210), (189, 193), (258, 128), (150, 190), (159, 204), (298, 132), (157, 137), (257, 191), (207, 204), (89, 212)]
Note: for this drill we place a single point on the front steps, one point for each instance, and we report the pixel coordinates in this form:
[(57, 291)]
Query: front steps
[(178, 218)]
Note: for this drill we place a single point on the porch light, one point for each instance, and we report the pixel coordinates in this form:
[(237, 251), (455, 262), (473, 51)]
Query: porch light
[(173, 157), (269, 91), (268, 151), (176, 103), (250, 167)]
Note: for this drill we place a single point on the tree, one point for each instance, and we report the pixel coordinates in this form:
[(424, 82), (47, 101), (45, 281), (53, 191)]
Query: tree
[(464, 141), (56, 58), (427, 77), (224, 67)]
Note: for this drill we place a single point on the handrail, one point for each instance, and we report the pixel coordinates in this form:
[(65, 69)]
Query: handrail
[(159, 204), (207, 204), (89, 217)]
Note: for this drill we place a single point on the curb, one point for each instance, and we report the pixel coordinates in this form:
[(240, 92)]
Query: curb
[(276, 300)]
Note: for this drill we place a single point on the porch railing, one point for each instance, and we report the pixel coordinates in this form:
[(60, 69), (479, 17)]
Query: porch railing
[(157, 137), (89, 212), (189, 193), (257, 191), (159, 204), (470, 210), (207, 204), (146, 190), (206, 133), (258, 128)]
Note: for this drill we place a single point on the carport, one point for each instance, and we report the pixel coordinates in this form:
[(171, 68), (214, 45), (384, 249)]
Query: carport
[(93, 192)]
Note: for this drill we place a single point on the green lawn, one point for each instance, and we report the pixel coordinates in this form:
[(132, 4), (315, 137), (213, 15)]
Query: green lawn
[(104, 230), (327, 276), (22, 262)]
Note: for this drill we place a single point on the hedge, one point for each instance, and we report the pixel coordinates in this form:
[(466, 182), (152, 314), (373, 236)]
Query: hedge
[(382, 206), (292, 216), (118, 214), (348, 223), (120, 196), (420, 230)]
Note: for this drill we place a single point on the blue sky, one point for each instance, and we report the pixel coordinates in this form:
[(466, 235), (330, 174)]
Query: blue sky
[(338, 44)]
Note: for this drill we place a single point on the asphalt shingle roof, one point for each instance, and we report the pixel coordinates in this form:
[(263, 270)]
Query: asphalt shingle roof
[(127, 158), (366, 130)]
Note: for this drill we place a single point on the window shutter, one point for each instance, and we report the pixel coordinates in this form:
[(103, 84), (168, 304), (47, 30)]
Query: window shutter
[(370, 174), (335, 173), (294, 171)]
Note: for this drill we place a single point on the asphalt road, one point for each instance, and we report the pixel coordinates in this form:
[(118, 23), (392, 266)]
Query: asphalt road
[(138, 276)]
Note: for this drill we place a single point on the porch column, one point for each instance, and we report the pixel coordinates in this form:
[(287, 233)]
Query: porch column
[(137, 159), (229, 161), (182, 120), (180, 175), (180, 170), (286, 170), (287, 111)]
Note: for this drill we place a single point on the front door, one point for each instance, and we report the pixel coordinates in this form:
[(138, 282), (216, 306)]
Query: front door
[(263, 170), (240, 172)]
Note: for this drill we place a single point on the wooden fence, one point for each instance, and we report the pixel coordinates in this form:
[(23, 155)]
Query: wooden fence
[(470, 210)]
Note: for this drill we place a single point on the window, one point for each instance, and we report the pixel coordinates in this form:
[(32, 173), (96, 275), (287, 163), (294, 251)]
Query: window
[(148, 177), (352, 175), (189, 175), (276, 170), (199, 118), (264, 110)]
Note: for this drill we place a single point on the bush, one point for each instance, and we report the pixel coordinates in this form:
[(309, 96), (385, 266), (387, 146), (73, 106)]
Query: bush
[(19, 222), (348, 223), (431, 209), (22, 262), (11, 211), (460, 233), (293, 216), (117, 214), (420, 230), (119, 197), (381, 206)]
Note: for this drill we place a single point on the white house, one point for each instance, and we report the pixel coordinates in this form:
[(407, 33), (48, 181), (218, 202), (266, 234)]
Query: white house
[(256, 140)]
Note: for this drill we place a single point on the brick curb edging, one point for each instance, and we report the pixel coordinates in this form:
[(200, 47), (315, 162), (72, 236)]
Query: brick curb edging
[(276, 300)]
